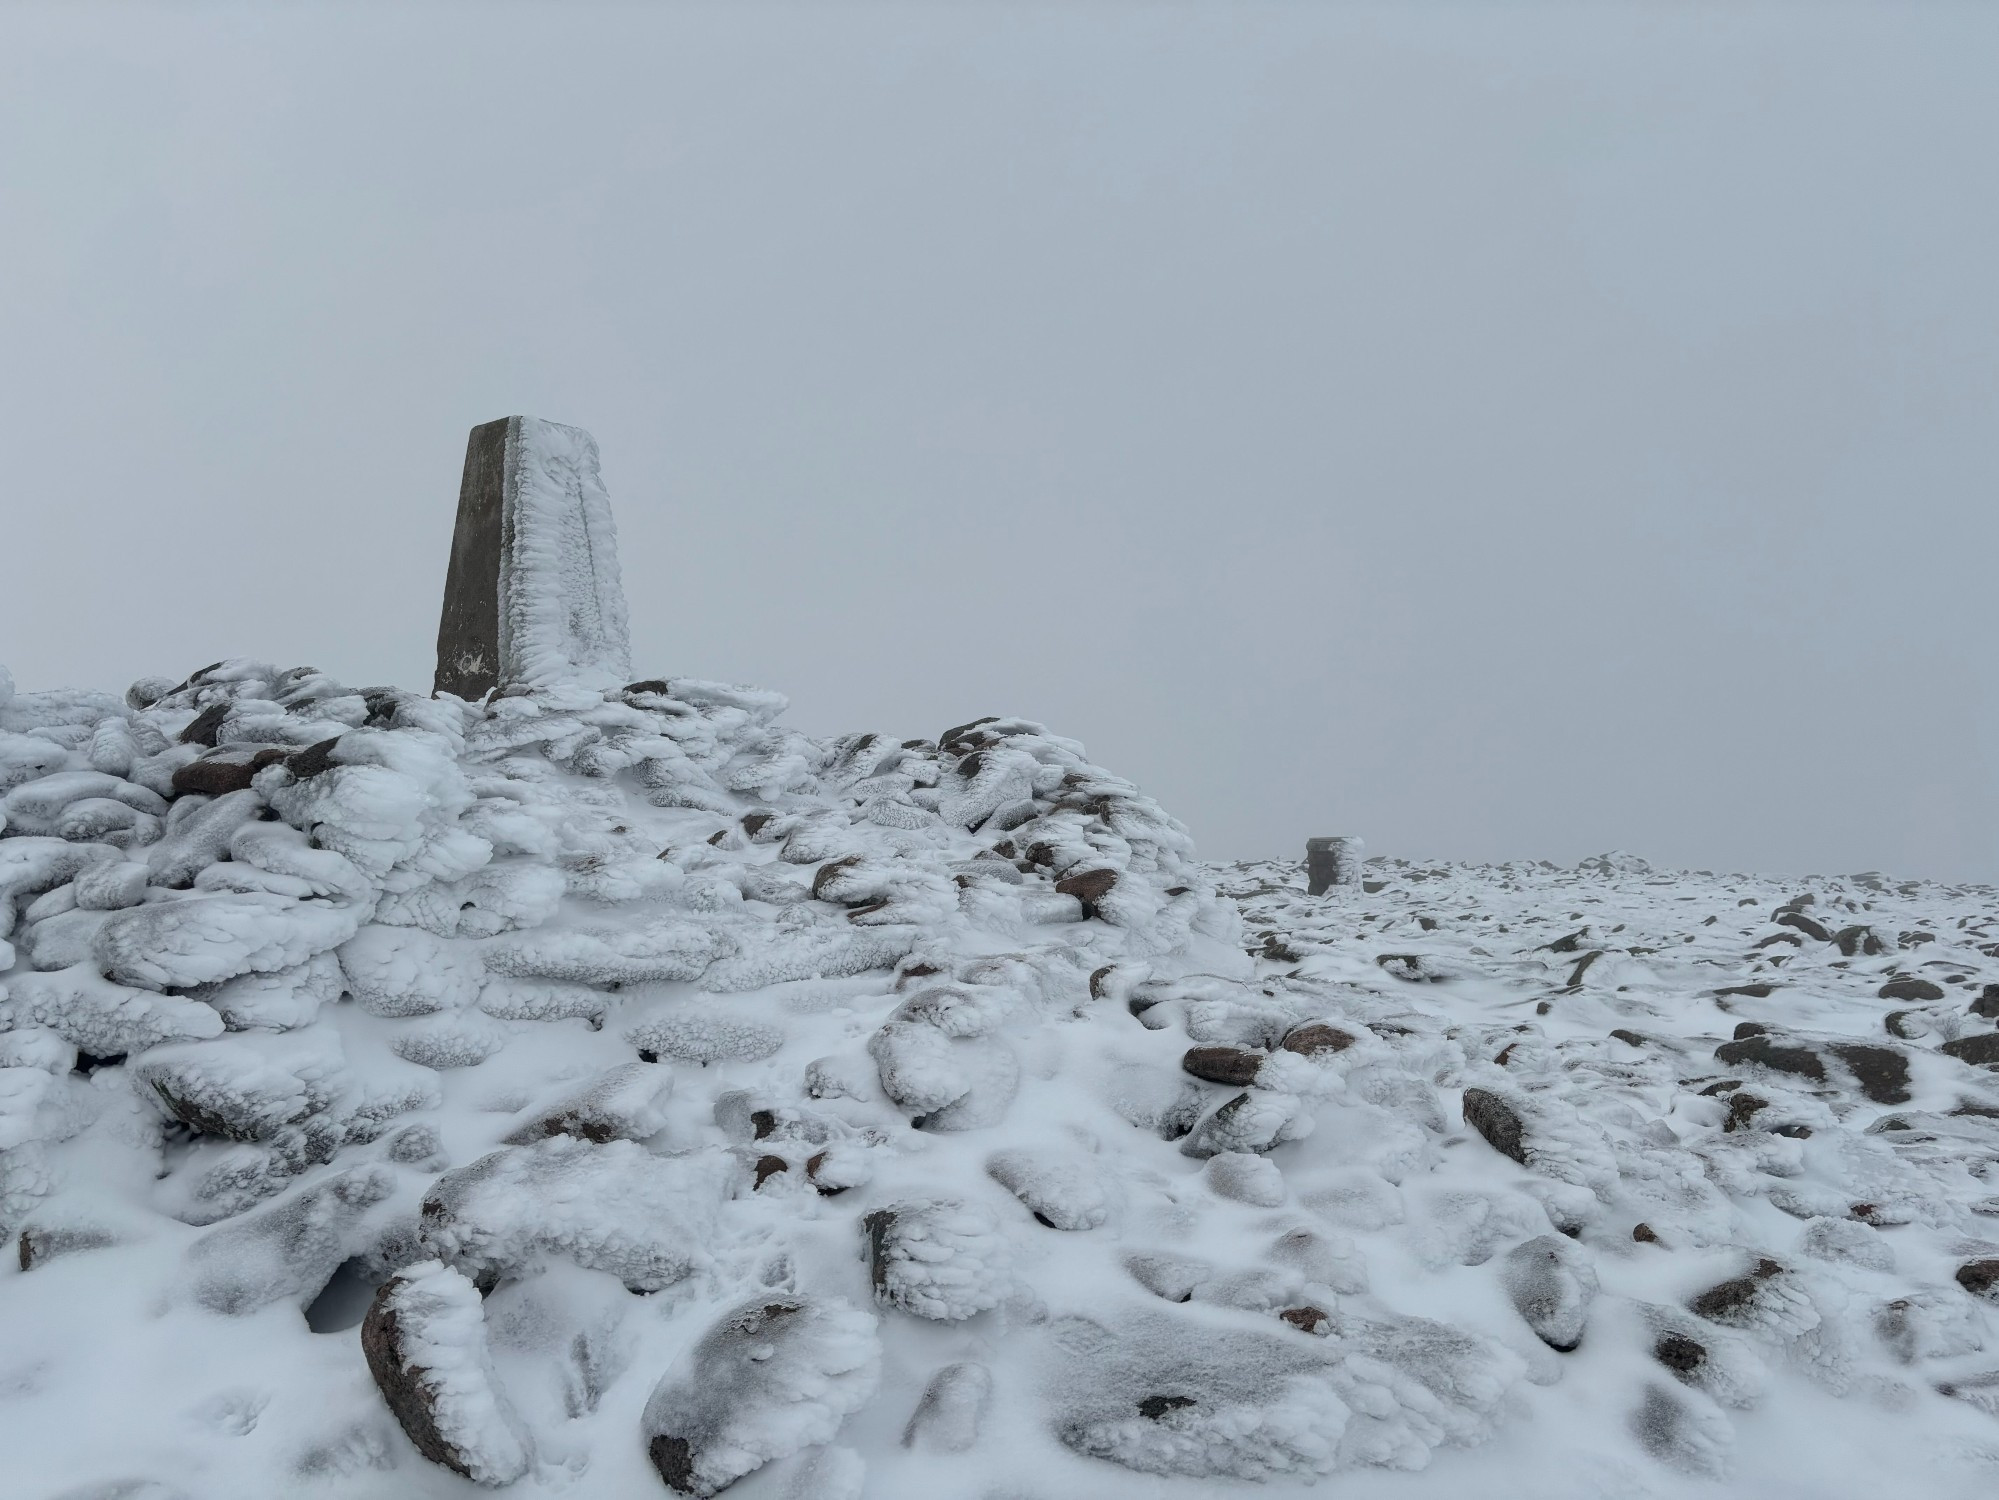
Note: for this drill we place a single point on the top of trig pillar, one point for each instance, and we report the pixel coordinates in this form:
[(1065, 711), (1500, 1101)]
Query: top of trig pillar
[(532, 596)]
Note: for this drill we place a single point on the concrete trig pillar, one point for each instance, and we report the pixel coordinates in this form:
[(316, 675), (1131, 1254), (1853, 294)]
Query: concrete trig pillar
[(532, 595), (1332, 861)]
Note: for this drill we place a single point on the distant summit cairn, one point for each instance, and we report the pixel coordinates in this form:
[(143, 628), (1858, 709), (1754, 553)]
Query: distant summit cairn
[(532, 595)]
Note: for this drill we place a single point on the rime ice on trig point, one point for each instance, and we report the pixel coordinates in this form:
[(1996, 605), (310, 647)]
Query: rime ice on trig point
[(532, 595), (1331, 862)]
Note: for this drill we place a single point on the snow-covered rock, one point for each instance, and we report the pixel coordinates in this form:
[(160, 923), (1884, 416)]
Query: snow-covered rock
[(425, 1342), (776, 1374)]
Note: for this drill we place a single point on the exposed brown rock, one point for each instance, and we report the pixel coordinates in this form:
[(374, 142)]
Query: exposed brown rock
[(1316, 1039), (1307, 1318), (827, 873), (213, 775), (1679, 1353), (1725, 1302), (1980, 1278), (1742, 1110), (1230, 1065), (1090, 887)]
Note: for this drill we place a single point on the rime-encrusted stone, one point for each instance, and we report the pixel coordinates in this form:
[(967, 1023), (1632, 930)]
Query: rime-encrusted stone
[(425, 1342), (1493, 1118), (773, 1375)]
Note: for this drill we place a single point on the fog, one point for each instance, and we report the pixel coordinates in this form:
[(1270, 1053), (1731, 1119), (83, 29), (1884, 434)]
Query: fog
[(1500, 431)]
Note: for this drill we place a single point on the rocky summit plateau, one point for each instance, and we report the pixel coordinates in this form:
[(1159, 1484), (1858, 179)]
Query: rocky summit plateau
[(567, 1081)]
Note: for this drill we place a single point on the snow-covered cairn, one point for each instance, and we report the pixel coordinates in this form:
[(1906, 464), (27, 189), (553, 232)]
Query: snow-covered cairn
[(576, 1084), (645, 1059)]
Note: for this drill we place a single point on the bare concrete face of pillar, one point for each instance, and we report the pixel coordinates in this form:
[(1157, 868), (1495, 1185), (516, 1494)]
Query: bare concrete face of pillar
[(1331, 862), (532, 596)]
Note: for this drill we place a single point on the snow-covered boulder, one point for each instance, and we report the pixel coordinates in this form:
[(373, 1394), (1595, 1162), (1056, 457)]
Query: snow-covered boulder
[(773, 1375), (425, 1342), (940, 1259), (608, 1207)]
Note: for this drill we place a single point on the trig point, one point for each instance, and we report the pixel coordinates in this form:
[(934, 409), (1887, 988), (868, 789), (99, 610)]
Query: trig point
[(1332, 861), (532, 595)]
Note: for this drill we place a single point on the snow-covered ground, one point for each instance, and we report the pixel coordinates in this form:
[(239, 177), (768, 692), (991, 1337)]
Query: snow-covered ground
[(605, 1089)]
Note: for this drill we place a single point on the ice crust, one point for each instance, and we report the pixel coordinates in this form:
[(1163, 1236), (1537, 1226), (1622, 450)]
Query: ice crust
[(586, 1025)]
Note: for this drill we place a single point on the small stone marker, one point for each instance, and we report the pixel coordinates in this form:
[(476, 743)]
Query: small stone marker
[(532, 596), (1332, 861)]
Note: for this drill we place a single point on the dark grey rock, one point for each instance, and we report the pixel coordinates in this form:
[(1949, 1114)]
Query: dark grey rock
[(1981, 1050), (1908, 988), (1764, 1053), (1493, 1118)]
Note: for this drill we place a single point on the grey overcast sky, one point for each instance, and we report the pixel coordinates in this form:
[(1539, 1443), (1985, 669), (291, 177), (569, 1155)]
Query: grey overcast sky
[(1499, 430)]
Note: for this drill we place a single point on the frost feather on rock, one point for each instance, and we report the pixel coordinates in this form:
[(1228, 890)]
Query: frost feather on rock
[(621, 1104), (941, 1259), (1254, 1120), (776, 1374), (704, 1036), (279, 1000), (425, 1341), (106, 1019), (203, 939), (244, 1087), (612, 1207), (288, 1250), (667, 948), (1061, 1190), (404, 971)]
